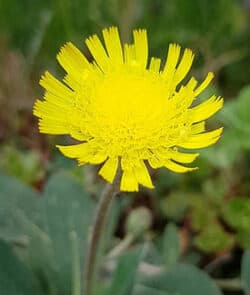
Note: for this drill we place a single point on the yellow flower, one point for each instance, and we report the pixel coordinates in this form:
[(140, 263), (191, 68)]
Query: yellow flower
[(123, 108)]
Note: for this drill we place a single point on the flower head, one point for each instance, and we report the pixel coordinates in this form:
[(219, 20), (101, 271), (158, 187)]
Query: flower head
[(121, 107)]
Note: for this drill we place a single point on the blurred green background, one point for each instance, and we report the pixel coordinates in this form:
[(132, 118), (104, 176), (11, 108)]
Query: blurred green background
[(201, 219)]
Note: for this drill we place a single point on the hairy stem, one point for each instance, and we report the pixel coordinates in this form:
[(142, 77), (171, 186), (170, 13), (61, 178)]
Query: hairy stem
[(230, 284), (121, 247), (99, 224), (76, 268)]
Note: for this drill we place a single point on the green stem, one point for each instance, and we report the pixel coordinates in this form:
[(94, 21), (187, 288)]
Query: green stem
[(76, 272), (99, 224), (230, 284), (122, 246)]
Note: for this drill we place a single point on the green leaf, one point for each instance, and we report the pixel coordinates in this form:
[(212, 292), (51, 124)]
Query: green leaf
[(214, 190), (15, 278), (16, 197), (124, 275), (213, 238), (67, 210), (174, 206), (126, 272), (25, 166), (45, 225), (142, 290), (151, 254), (237, 213), (202, 213), (243, 106), (236, 137), (181, 280), (171, 245), (236, 112), (236, 116), (165, 180), (245, 272), (243, 238), (224, 154)]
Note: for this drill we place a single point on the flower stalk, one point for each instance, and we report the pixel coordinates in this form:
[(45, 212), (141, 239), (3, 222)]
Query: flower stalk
[(102, 211)]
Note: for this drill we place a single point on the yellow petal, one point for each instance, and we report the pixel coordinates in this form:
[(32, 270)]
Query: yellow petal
[(198, 127), (184, 66), (129, 182), (204, 84), (202, 140), (54, 109), (172, 60), (141, 47), (113, 45), (206, 109), (98, 52), (129, 54), (155, 64), (142, 175), (177, 167), (73, 61), (51, 120), (84, 153), (50, 110), (94, 158), (109, 168), (183, 157), (155, 162), (53, 126), (56, 90), (74, 151), (185, 96)]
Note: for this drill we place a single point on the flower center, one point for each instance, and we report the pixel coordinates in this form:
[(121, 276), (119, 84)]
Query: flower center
[(129, 109)]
